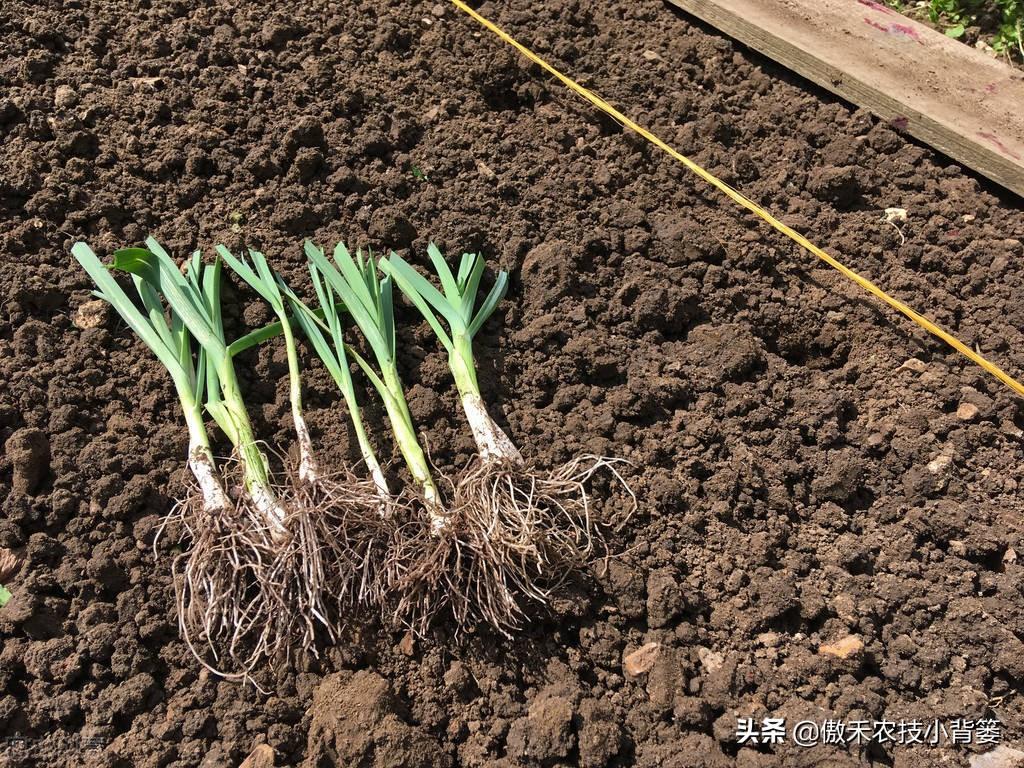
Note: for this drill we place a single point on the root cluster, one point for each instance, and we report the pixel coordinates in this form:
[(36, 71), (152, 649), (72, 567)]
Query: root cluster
[(251, 596), (514, 534)]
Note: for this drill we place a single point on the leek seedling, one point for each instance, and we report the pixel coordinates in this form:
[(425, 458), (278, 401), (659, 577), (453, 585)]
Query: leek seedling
[(517, 530), (329, 517), (236, 585), (267, 284), (198, 306), (335, 359), (170, 341), (369, 301), (212, 591)]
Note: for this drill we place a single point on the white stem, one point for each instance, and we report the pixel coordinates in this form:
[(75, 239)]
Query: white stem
[(439, 518), (307, 464), (215, 499), (492, 443), (381, 483), (271, 509)]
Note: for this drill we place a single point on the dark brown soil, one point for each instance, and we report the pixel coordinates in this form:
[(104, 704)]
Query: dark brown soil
[(803, 472)]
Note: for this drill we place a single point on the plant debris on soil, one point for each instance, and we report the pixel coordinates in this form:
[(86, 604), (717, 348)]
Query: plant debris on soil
[(993, 26), (830, 511)]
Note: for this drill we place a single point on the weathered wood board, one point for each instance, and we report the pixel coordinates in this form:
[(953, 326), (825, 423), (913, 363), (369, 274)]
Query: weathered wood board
[(955, 98)]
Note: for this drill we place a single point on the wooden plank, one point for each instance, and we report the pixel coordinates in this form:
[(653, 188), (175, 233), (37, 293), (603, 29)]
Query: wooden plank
[(957, 99)]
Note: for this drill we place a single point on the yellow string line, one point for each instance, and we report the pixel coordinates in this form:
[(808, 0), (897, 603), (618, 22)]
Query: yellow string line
[(749, 204)]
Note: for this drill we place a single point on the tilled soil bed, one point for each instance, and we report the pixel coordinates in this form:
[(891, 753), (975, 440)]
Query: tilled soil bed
[(812, 471)]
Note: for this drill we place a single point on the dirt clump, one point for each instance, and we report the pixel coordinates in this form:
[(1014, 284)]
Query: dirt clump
[(359, 721), (28, 451)]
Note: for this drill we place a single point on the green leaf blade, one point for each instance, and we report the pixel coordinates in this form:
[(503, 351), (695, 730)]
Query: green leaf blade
[(444, 274), (118, 299), (490, 304)]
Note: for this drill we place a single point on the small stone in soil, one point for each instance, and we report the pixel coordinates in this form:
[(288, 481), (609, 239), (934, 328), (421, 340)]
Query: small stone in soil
[(261, 757), (915, 365), (712, 661), (91, 314), (844, 648), (65, 96), (640, 661), (967, 411), (1002, 756)]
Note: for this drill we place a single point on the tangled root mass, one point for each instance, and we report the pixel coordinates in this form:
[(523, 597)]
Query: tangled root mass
[(250, 597), (514, 535)]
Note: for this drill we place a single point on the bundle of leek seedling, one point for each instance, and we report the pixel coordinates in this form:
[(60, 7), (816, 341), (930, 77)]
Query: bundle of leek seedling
[(271, 563), (353, 285), (369, 301), (231, 592), (333, 519), (215, 597), (515, 530)]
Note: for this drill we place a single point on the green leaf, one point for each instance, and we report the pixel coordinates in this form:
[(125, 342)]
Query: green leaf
[(490, 303), (412, 282), (386, 313), (118, 299), (171, 272), (155, 309), (5, 596), (467, 263), (361, 283), (194, 270), (405, 275), (210, 284), (444, 274), (140, 262), (376, 380), (255, 338), (352, 289), (470, 286), (157, 268), (241, 268), (955, 31)]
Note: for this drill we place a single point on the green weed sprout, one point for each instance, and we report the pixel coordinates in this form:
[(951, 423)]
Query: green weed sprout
[(517, 531), (9, 563)]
